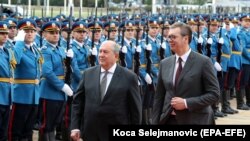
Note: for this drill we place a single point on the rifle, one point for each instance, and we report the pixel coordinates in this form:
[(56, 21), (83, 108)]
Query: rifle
[(208, 46), (121, 54), (119, 30), (1, 11), (93, 57), (199, 45), (137, 54), (68, 59), (219, 46), (162, 50), (80, 13), (151, 86), (51, 12), (41, 33), (109, 24)]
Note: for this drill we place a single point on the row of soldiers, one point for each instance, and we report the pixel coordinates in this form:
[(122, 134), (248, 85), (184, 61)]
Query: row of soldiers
[(33, 53)]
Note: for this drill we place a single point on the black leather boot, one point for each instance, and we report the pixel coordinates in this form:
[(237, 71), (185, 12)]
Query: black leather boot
[(225, 103), (240, 101)]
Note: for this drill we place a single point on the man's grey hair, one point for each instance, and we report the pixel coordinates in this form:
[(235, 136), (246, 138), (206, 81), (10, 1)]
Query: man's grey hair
[(116, 47)]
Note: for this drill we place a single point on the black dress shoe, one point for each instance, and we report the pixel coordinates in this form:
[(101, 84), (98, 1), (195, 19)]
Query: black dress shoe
[(219, 114), (227, 111), (243, 107), (235, 111)]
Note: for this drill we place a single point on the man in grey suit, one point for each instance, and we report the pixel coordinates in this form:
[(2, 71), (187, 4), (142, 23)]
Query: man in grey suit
[(187, 84), (120, 104)]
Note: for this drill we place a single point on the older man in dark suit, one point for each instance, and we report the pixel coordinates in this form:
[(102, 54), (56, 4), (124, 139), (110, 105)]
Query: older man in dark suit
[(187, 84), (108, 94)]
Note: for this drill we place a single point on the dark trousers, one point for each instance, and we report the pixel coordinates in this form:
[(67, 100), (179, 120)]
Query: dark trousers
[(148, 97), (232, 77), (52, 113), (4, 118), (245, 76), (171, 120), (21, 122)]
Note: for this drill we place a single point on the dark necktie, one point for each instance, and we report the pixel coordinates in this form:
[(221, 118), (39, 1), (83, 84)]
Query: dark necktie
[(31, 49), (103, 84), (178, 72), (14, 42)]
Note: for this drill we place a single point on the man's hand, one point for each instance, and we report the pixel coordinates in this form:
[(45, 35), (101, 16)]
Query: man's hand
[(178, 103), (75, 135)]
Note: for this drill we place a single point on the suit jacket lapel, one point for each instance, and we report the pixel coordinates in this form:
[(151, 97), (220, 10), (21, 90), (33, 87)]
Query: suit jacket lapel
[(171, 69), (97, 73), (113, 81), (187, 67)]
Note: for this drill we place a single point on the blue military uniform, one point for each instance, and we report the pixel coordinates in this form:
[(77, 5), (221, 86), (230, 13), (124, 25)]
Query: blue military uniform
[(52, 97), (81, 54), (154, 44), (12, 24), (6, 78), (25, 96), (243, 37), (128, 43), (94, 27)]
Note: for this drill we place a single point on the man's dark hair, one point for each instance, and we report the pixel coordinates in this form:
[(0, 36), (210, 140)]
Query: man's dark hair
[(185, 30)]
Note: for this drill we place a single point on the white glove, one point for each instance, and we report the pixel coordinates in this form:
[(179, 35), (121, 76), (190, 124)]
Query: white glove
[(217, 66), (210, 41), (124, 49), (20, 35), (70, 53), (148, 79), (94, 51), (67, 90), (221, 40), (163, 45), (138, 49), (139, 82), (200, 40), (149, 47)]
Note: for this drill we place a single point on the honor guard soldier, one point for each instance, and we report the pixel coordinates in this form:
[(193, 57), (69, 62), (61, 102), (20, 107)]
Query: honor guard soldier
[(110, 30), (96, 28), (53, 90), (197, 43), (128, 43), (25, 96), (12, 32), (152, 64), (226, 51), (64, 35), (95, 34), (165, 44), (39, 37), (6, 78), (244, 88), (234, 65), (212, 40), (81, 52)]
